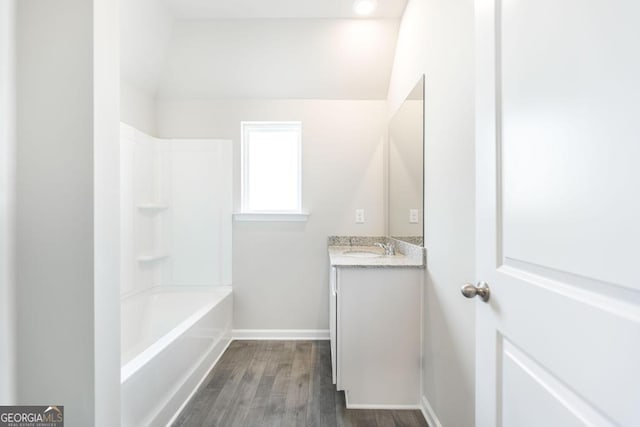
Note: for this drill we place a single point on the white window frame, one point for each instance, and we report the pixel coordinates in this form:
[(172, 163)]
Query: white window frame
[(245, 214)]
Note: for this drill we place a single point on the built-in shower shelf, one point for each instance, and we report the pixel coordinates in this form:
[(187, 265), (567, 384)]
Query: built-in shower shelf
[(152, 257), (152, 207)]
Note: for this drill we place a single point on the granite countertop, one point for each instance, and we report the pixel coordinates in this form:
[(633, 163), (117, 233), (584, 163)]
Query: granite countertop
[(338, 258)]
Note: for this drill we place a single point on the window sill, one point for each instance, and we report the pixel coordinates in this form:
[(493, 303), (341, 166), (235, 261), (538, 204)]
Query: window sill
[(272, 216)]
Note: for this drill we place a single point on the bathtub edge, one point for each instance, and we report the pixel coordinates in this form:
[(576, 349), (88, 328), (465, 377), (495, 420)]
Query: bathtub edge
[(199, 384)]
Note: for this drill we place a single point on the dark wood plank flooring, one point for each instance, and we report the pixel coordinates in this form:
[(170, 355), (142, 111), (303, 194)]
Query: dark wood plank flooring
[(280, 383)]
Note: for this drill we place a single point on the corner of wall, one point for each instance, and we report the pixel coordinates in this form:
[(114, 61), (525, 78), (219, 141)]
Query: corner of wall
[(428, 413), (436, 39), (409, 62), (138, 108)]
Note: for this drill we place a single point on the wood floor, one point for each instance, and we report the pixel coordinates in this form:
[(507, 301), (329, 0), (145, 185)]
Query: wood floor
[(280, 383)]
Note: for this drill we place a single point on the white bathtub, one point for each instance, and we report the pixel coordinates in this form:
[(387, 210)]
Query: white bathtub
[(170, 338)]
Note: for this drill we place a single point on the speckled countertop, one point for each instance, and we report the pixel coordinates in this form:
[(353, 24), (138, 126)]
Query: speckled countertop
[(338, 257)]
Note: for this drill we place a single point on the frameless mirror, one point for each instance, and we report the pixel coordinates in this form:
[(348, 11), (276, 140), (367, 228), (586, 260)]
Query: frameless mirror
[(406, 169)]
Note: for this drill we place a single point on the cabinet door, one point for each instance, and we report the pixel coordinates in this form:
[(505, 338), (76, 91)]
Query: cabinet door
[(379, 336), (332, 320)]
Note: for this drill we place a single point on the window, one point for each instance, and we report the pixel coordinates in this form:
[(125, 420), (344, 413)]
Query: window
[(271, 168)]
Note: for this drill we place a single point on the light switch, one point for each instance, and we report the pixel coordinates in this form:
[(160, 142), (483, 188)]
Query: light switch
[(413, 216), (359, 216)]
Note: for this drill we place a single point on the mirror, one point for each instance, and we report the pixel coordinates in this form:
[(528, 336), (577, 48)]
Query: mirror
[(406, 169)]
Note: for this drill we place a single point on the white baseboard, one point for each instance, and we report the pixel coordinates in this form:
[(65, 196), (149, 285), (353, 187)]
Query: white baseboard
[(374, 406), (393, 407), (280, 334), (429, 414)]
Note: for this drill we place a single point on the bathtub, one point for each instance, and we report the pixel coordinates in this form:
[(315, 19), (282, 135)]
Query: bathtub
[(170, 339)]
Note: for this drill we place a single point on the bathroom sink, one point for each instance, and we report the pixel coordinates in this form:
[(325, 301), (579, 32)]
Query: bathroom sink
[(362, 254)]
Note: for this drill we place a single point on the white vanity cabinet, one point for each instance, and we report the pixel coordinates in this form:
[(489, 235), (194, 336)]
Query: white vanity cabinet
[(375, 319)]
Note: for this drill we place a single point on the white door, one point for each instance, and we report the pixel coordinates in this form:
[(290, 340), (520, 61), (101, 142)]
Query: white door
[(558, 167)]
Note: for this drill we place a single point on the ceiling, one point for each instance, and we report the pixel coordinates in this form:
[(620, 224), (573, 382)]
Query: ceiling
[(262, 9), (240, 49)]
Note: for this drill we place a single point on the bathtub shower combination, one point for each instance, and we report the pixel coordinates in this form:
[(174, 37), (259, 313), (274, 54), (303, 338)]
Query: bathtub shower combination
[(176, 293)]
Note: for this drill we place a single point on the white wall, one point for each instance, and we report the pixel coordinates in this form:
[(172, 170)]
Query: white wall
[(279, 58), (280, 270), (55, 206), (106, 212), (145, 30), (137, 107), (436, 38), (67, 244), (7, 200)]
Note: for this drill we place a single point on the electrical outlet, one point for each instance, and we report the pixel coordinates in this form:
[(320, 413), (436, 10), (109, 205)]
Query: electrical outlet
[(359, 216), (413, 216)]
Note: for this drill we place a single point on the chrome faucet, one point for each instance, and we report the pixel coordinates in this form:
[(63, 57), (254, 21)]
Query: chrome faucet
[(389, 249)]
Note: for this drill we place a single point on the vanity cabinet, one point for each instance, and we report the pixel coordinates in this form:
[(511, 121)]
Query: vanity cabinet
[(375, 318)]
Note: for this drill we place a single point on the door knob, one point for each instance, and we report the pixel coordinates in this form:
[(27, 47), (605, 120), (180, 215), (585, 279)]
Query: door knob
[(482, 289)]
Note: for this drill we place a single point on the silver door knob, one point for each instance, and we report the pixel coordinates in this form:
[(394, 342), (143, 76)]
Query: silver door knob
[(482, 289)]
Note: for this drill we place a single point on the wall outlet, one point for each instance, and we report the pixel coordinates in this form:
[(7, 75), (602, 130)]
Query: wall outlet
[(413, 216), (359, 216)]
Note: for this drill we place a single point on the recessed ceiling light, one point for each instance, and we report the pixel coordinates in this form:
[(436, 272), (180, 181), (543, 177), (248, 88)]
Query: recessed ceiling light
[(364, 7)]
